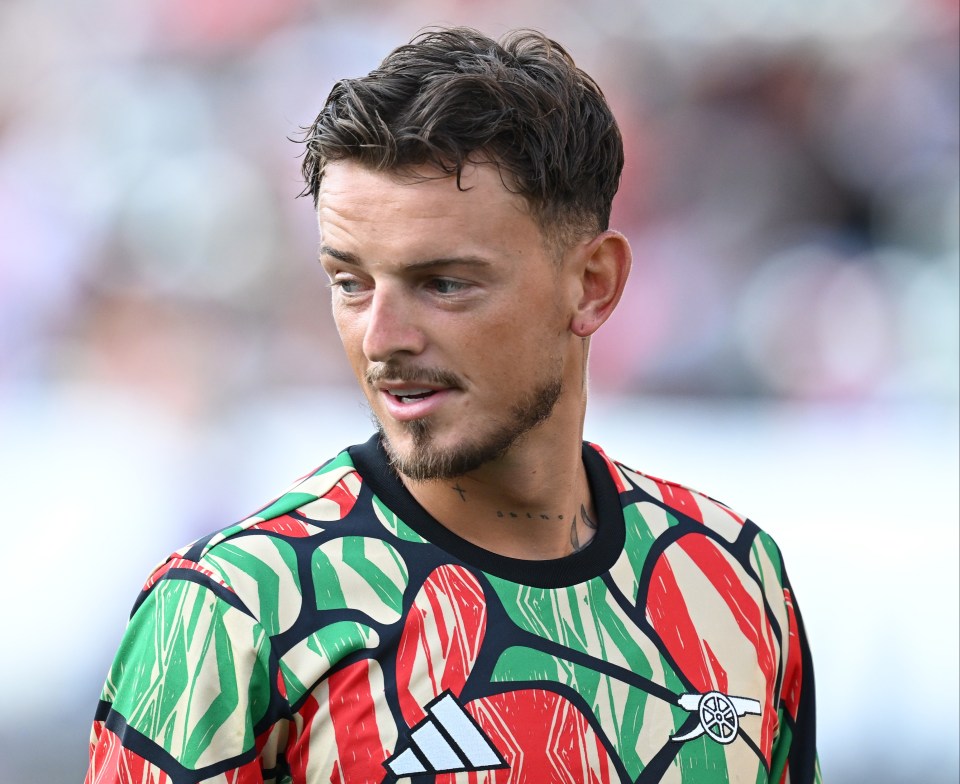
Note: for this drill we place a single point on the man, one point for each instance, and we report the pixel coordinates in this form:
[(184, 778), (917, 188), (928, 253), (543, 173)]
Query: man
[(474, 594)]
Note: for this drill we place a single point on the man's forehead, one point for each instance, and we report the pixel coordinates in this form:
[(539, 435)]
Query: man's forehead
[(354, 193), (357, 201), (341, 178)]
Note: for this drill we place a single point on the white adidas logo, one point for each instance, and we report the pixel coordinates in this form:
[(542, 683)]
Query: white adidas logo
[(446, 741)]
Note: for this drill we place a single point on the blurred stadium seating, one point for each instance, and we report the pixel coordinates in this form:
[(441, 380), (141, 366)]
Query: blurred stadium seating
[(790, 338)]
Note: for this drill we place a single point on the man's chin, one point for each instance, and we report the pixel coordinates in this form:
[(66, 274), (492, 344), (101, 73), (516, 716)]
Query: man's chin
[(423, 459), (406, 439)]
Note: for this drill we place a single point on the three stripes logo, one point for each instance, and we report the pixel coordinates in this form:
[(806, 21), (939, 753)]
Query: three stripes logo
[(448, 740)]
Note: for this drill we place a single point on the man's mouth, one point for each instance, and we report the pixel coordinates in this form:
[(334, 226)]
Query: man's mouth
[(410, 395)]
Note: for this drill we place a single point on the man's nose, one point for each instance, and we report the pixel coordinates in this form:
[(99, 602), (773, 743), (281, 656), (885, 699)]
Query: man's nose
[(392, 325)]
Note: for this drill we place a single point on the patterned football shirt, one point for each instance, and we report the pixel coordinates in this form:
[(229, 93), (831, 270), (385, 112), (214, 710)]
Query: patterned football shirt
[(343, 635)]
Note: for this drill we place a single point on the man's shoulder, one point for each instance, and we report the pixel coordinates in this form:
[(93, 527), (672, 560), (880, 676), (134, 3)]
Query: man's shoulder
[(322, 497), (681, 519), (648, 492)]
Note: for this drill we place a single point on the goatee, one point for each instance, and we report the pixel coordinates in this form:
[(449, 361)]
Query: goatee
[(427, 462)]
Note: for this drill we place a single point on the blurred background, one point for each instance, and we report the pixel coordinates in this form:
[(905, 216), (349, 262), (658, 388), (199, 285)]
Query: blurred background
[(788, 341)]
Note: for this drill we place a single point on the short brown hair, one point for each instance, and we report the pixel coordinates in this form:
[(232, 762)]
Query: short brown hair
[(454, 96)]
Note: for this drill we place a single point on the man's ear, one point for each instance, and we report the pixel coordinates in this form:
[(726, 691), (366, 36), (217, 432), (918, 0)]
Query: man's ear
[(602, 270)]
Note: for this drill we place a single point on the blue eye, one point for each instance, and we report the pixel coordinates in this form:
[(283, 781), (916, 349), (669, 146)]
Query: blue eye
[(447, 286), (347, 285)]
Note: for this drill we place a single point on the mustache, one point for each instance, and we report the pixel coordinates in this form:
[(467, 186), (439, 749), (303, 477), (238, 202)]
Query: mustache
[(392, 371)]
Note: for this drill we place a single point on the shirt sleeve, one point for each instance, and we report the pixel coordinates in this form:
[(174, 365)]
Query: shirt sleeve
[(189, 695), (794, 759)]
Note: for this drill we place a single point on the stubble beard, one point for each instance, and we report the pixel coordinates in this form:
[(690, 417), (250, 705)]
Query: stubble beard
[(427, 461)]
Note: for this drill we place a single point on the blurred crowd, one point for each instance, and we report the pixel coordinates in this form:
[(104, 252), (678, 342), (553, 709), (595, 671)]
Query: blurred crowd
[(791, 193)]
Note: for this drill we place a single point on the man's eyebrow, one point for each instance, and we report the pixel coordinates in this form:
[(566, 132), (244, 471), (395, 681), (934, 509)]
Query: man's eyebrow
[(466, 261), (339, 255), (351, 258)]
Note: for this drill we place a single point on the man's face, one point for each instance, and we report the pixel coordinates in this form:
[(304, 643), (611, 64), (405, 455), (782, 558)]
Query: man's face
[(452, 312)]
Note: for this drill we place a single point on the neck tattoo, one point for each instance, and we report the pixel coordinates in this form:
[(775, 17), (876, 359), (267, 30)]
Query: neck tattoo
[(581, 518), (589, 523), (528, 515)]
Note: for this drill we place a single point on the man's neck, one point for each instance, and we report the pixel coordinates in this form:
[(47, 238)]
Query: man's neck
[(532, 504)]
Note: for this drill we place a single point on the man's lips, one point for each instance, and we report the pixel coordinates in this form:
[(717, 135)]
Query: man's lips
[(405, 403), (411, 393), (408, 394)]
